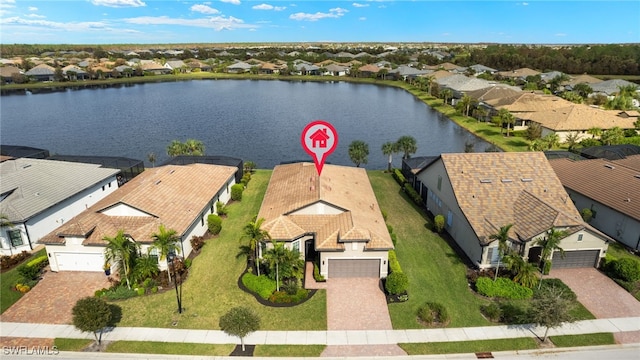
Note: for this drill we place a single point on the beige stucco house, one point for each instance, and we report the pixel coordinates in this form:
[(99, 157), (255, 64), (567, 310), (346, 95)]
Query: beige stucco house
[(180, 197), (333, 219), (477, 193)]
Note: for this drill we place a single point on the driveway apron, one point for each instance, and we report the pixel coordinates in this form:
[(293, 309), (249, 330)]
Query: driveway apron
[(602, 297), (358, 304), (51, 300)]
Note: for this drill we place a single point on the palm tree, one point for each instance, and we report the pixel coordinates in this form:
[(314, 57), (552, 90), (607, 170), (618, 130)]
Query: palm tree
[(596, 132), (358, 152), (4, 221), (274, 256), (502, 236), (480, 113), (152, 158), (175, 148), (551, 140), (407, 144), (166, 241), (145, 267), (388, 149), (572, 139), (194, 147), (550, 243), (446, 94), (465, 103), (524, 272), (506, 118), (612, 136), (121, 250), (256, 236)]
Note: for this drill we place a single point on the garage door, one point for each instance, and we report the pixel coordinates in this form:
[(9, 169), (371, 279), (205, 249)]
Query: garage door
[(79, 262), (576, 259), (339, 268)]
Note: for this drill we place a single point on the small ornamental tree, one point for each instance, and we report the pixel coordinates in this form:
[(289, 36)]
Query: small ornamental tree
[(550, 308), (240, 321), (91, 314)]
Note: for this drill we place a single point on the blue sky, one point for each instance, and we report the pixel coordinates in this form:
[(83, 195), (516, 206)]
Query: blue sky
[(225, 21)]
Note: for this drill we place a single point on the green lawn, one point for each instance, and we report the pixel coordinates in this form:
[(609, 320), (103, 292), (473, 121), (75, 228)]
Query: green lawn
[(8, 296), (65, 344), (156, 347), (583, 340), (435, 271), (211, 289), (464, 347), (288, 350)]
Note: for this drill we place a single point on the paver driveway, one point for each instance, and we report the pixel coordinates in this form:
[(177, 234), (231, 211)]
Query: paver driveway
[(601, 296), (51, 301), (358, 304)]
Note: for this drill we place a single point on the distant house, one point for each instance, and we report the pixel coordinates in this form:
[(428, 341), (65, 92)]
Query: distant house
[(73, 72), (180, 197), (177, 66), (610, 189), (478, 193), (38, 195), (7, 73), (369, 70), (460, 84), (336, 70), (239, 67), (521, 73), (42, 72), (334, 218), (149, 66), (481, 69), (611, 87)]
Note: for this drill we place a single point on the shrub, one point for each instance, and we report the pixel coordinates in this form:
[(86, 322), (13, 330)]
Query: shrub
[(438, 222), (197, 242), (7, 262), (120, 293), (187, 263), (397, 174), (390, 229), (394, 239), (586, 214), (221, 208), (396, 283), (316, 273), (236, 192), (140, 291), (413, 194), (290, 286), (384, 215), (39, 262), (245, 179), (394, 265), (282, 297), (214, 223), (23, 288), (492, 311), (29, 272), (261, 285), (432, 313), (502, 288), (154, 289), (626, 269)]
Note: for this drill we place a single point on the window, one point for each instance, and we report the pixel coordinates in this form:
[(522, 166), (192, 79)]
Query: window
[(295, 246), (579, 237), (439, 182), (202, 220), (102, 187), (16, 237), (449, 218), (493, 255), (153, 253)]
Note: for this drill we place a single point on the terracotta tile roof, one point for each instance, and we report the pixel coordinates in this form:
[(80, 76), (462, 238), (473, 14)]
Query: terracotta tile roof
[(438, 74), (529, 102), (578, 117), (495, 189), (173, 195), (522, 72), (345, 190), (582, 79), (604, 181), (369, 68), (493, 92)]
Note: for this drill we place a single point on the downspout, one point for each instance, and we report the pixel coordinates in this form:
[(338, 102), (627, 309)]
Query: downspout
[(26, 230)]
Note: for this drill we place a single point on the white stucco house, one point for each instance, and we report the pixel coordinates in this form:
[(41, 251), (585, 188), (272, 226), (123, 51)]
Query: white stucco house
[(333, 219), (478, 193), (180, 197), (37, 196)]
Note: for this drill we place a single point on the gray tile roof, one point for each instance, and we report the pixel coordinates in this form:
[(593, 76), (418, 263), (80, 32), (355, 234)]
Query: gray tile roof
[(610, 87), (463, 83), (42, 69), (34, 185)]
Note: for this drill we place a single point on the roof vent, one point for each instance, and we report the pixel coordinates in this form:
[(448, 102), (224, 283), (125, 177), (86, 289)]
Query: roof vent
[(26, 166), (172, 171), (637, 176), (485, 181), (609, 166), (507, 180), (158, 182), (526, 179)]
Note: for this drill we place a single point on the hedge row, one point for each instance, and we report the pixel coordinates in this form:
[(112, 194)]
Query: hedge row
[(413, 194), (397, 174), (394, 265), (502, 288)]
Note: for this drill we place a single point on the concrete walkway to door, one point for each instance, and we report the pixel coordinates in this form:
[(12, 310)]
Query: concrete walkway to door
[(358, 304)]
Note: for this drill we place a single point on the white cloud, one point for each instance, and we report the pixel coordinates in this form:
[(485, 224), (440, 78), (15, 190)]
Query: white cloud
[(362, 18), (53, 25), (36, 16), (217, 23), (234, 2), (33, 8), (560, 34), (358, 5), (6, 5), (525, 4), (119, 3), (204, 9), (333, 13), (268, 7)]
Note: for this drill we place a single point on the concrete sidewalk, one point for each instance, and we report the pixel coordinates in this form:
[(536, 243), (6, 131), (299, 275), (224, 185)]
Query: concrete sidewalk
[(346, 337)]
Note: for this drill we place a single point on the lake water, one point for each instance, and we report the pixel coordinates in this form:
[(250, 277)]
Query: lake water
[(256, 120)]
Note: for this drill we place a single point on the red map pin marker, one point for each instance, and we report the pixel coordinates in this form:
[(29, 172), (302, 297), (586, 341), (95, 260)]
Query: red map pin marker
[(319, 139)]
